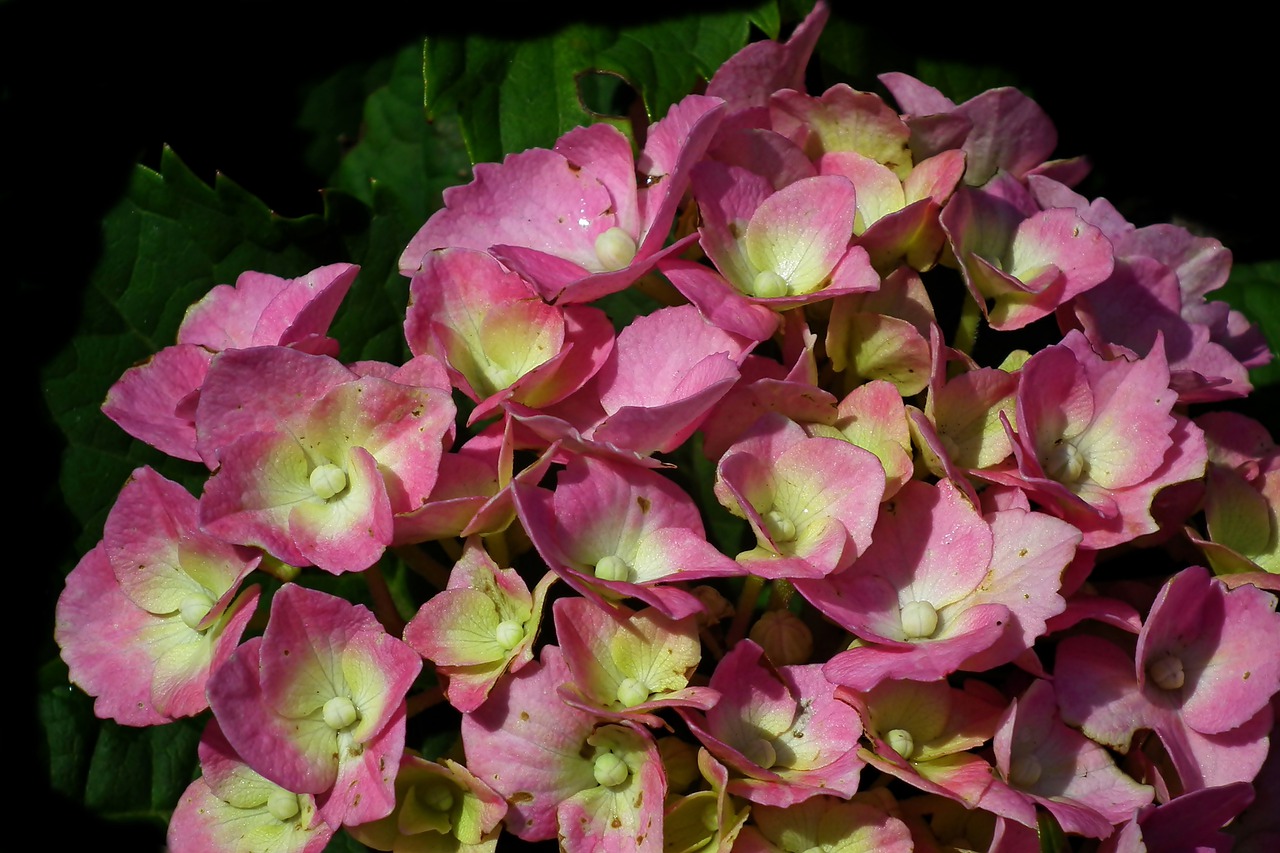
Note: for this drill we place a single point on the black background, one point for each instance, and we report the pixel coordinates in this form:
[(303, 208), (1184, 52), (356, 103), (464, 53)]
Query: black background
[(1177, 113)]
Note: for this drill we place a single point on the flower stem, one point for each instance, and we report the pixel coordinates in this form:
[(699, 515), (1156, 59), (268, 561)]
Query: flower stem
[(746, 606), (420, 702), (418, 560), (966, 337), (780, 594), (384, 607)]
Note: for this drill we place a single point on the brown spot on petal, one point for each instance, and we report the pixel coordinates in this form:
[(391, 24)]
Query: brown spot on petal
[(643, 502), (616, 823), (520, 797), (524, 716)]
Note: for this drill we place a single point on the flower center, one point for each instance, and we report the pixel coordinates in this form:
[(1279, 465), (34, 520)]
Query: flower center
[(901, 741), (282, 804), (1064, 463), (508, 634), (761, 752), (193, 609), (779, 527), (632, 692), (919, 620), (610, 770), (1167, 672), (438, 797), (615, 249), (613, 568), (340, 712), (769, 285), (327, 480)]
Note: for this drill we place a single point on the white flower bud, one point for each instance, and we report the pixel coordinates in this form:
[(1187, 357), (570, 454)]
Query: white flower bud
[(340, 712), (919, 620), (632, 692), (282, 804), (327, 480), (769, 285), (902, 742), (1167, 672), (780, 527), (613, 568), (610, 770), (193, 609), (615, 249), (761, 752), (508, 634)]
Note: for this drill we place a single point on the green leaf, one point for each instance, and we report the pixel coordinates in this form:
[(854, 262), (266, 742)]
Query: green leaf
[(121, 773), (1254, 290), (960, 82), (141, 773), (344, 843), (401, 153), (1052, 838), (165, 244), (66, 716), (513, 94)]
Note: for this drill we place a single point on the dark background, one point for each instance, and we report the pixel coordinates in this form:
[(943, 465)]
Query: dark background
[(1176, 113)]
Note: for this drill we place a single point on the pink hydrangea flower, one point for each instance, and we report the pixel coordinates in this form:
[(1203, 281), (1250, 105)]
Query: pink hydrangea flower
[(598, 787), (439, 806), (926, 733), (613, 531), (781, 731), (495, 335), (795, 492), (1044, 762), (235, 809), (154, 608), (571, 219), (317, 703), (941, 588), (1080, 413), (1020, 263), (155, 402), (315, 461), (628, 665), (482, 626), (664, 374), (1202, 677)]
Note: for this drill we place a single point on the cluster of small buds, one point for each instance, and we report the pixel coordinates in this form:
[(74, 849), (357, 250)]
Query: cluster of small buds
[(777, 562)]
